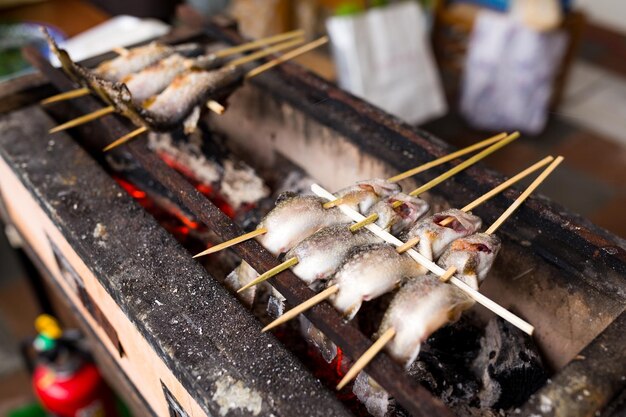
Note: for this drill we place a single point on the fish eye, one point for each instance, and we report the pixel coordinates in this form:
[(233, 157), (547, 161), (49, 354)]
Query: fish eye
[(482, 248)]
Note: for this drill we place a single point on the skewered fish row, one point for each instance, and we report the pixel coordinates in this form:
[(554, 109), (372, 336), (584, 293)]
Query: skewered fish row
[(188, 84), (370, 272), (323, 251), (356, 194), (354, 284), (141, 57), (424, 305), (296, 217)]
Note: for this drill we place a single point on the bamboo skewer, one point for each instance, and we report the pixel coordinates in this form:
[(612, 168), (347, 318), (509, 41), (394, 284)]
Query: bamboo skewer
[(449, 157), (377, 346), (433, 163), (286, 57), (443, 177), (232, 242), (302, 307), (258, 43), (527, 192), (366, 357), (125, 138), (215, 107), (67, 95), (265, 52), (83, 119), (267, 275), (506, 184)]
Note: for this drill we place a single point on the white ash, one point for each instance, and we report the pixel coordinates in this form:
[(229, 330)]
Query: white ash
[(373, 396), (100, 232), (231, 394), (191, 122), (240, 184), (189, 154)]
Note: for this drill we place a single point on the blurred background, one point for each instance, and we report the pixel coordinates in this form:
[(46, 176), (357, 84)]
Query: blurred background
[(460, 69)]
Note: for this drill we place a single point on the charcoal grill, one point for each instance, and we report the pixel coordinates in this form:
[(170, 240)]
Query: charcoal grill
[(183, 345)]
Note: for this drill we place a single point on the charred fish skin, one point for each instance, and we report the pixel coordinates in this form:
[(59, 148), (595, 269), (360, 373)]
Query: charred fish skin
[(396, 220), (472, 256), (364, 194), (320, 254), (434, 237), (156, 77), (369, 272), (141, 57), (295, 218), (188, 90), (419, 308)]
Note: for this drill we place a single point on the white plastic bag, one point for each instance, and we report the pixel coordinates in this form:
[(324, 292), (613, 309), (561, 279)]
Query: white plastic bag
[(383, 56), (509, 73)]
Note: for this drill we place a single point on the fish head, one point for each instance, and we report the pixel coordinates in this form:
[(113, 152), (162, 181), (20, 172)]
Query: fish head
[(473, 257), (464, 223), (364, 194)]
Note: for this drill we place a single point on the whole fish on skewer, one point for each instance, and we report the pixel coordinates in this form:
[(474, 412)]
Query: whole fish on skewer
[(136, 59), (369, 272), (296, 217), (434, 237), (320, 254), (157, 77), (426, 304)]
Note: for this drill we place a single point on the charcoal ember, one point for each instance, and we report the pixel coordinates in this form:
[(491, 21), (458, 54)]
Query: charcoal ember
[(445, 360), (509, 366)]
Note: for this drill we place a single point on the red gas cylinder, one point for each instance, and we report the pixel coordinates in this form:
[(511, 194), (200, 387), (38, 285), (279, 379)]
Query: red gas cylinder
[(74, 391)]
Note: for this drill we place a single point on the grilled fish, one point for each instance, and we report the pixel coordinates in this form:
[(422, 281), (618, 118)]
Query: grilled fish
[(158, 76), (420, 307), (369, 272), (397, 219), (434, 237), (190, 89), (472, 256), (364, 194), (294, 218), (320, 254), (424, 305), (141, 57)]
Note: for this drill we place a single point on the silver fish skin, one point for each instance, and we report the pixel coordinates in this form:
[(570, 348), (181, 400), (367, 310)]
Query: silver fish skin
[(472, 256), (295, 218), (189, 89), (155, 78), (419, 308), (136, 60), (369, 272), (364, 194), (139, 58), (399, 219), (320, 254), (434, 238)]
